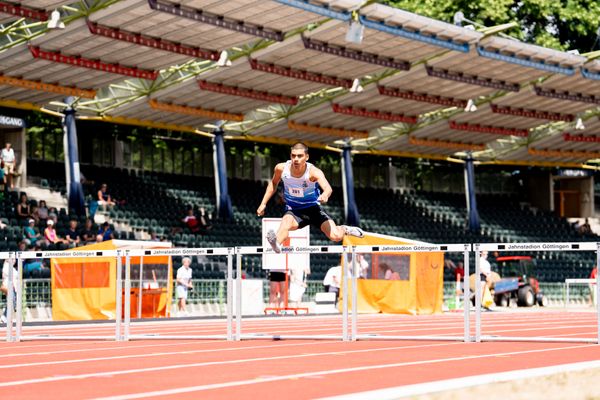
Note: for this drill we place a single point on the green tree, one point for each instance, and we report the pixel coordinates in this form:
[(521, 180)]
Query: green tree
[(558, 24)]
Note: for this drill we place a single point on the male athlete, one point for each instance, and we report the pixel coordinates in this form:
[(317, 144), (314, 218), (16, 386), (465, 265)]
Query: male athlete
[(302, 184)]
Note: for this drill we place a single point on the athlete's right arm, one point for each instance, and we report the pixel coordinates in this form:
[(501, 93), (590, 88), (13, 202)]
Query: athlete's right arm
[(271, 187)]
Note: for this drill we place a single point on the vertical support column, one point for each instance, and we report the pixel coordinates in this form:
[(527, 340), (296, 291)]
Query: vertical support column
[(141, 288), (119, 297), (474, 224), (467, 295), (229, 305), (19, 307), (72, 160), (10, 297), (354, 296), (127, 295), (350, 209), (597, 289), (477, 295), (345, 271), (238, 293), (224, 209)]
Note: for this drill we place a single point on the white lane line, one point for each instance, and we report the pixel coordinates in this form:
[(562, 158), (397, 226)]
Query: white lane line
[(161, 354), (205, 364), (462, 383), (319, 373)]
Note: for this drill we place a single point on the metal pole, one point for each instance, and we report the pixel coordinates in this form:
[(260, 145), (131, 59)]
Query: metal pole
[(567, 294), (467, 295), (141, 288), (229, 297), (354, 296), (127, 295), (238, 293), (345, 271), (597, 291), (119, 296), (19, 307), (477, 294), (9, 298)]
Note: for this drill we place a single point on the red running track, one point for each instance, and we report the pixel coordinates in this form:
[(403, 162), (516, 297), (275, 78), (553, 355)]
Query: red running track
[(302, 369)]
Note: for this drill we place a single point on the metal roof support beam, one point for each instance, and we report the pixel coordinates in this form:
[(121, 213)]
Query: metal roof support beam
[(250, 93), (414, 35), (529, 113), (216, 20), (356, 55), (526, 62), (443, 144), (22, 11), (321, 10), (201, 112), (375, 114), (344, 133), (472, 80), (580, 97), (487, 129), (148, 41), (421, 97), (299, 74)]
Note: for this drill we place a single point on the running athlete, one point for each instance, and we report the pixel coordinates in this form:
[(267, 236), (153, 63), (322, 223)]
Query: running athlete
[(305, 189)]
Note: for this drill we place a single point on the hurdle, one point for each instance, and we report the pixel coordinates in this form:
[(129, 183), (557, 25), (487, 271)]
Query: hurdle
[(515, 247), (14, 325), (413, 248)]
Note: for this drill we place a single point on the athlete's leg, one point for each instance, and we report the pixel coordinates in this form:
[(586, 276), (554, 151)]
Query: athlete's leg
[(332, 231), (288, 223)]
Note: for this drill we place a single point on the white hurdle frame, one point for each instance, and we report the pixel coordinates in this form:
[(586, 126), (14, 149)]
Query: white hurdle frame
[(19, 256), (416, 248), (519, 247), (217, 251)]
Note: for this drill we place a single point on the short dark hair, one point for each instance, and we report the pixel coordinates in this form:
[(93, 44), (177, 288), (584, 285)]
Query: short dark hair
[(300, 145)]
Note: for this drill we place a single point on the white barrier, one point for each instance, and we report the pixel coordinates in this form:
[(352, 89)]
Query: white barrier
[(568, 283), (519, 247), (348, 333)]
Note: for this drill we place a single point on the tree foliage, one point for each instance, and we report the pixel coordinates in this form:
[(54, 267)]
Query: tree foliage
[(558, 24)]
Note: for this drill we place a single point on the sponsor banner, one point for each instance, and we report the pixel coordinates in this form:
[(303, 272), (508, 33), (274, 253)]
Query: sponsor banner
[(181, 252), (67, 254), (583, 246), (292, 250), (412, 248)]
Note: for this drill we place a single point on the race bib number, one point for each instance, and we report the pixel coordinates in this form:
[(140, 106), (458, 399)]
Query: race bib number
[(296, 192)]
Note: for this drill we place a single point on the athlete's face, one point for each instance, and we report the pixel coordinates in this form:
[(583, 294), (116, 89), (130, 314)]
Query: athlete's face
[(299, 157)]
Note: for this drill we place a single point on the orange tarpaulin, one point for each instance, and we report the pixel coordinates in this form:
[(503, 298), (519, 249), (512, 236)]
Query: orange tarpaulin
[(85, 288), (414, 283)]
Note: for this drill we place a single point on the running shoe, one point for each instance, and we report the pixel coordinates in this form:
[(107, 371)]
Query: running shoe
[(272, 239), (2, 319), (353, 231)]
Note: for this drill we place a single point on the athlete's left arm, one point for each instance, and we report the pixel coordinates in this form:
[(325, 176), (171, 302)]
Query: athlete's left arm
[(316, 175)]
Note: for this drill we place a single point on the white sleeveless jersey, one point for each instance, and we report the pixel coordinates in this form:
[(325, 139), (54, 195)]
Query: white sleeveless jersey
[(299, 192)]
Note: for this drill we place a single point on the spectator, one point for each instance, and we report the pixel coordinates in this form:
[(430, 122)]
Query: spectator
[(72, 237), (184, 285), (191, 221), (53, 214), (277, 288), (50, 234), (105, 233), (298, 284), (104, 197), (2, 176), (8, 263), (485, 275), (205, 221), (388, 273), (23, 210), (585, 228), (88, 233), (29, 233), (42, 212), (332, 281), (9, 160)]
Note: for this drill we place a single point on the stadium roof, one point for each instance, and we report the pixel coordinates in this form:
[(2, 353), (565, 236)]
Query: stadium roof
[(413, 86)]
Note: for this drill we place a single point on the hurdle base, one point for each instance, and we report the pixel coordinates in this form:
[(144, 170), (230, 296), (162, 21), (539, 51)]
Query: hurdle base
[(282, 310)]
